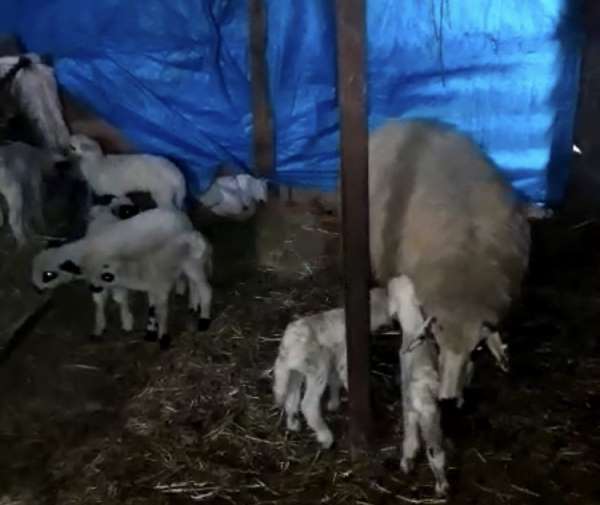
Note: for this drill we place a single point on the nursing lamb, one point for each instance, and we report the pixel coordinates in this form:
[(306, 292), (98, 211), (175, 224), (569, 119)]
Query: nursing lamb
[(420, 382), (119, 174), (313, 349), (441, 213)]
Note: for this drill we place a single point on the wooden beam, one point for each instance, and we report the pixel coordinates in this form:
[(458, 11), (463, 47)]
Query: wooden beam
[(262, 125), (355, 212)]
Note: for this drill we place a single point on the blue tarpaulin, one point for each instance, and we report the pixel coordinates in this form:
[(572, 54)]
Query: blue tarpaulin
[(174, 77)]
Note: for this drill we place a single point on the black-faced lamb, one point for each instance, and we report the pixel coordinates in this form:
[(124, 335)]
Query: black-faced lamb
[(22, 168), (441, 213), (420, 382), (119, 174), (313, 350)]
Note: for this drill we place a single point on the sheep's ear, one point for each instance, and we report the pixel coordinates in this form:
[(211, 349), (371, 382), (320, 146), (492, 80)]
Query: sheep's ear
[(70, 267), (102, 199), (498, 349)]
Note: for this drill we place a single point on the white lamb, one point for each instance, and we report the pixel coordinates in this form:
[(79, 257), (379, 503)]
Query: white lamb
[(155, 273), (313, 349), (420, 382), (133, 237), (119, 174), (99, 219)]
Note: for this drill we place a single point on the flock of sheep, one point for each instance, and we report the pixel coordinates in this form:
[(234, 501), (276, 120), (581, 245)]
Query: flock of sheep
[(449, 249)]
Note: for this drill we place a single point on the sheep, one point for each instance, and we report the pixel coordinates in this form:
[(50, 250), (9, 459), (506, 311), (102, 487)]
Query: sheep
[(313, 349), (420, 382), (33, 87), (155, 273), (144, 232), (119, 174), (22, 168), (102, 216), (441, 213)]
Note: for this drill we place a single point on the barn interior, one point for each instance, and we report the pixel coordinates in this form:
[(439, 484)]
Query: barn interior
[(116, 420)]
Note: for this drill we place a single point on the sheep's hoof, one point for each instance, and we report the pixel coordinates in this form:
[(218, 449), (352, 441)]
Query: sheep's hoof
[(325, 438), (203, 323), (151, 336), (293, 423), (441, 489), (407, 465), (333, 404), (164, 342)]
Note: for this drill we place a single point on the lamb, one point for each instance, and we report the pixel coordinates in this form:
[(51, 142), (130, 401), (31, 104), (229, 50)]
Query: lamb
[(313, 349), (155, 273), (441, 213), (22, 168), (100, 218), (420, 382), (119, 174), (148, 252), (130, 238)]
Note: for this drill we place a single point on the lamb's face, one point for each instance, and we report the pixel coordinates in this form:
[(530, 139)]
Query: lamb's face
[(51, 270), (103, 276), (81, 146)]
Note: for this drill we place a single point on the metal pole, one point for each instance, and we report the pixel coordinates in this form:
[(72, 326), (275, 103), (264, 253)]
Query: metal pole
[(355, 212), (262, 130)]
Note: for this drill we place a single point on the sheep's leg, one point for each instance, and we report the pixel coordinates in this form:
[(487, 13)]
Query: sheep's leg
[(14, 199), (38, 210), (180, 285), (1, 217), (311, 403), (162, 315), (201, 292), (432, 435), (100, 314), (335, 384), (292, 400), (410, 442), (121, 298), (152, 323)]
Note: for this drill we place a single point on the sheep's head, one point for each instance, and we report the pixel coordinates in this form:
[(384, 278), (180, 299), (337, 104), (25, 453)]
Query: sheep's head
[(461, 340), (51, 269), (81, 146)]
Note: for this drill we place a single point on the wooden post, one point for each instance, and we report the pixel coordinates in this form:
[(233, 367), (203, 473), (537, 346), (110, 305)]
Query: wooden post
[(355, 212), (263, 130)]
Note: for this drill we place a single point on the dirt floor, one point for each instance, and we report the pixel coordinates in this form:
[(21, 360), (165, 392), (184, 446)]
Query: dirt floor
[(119, 422)]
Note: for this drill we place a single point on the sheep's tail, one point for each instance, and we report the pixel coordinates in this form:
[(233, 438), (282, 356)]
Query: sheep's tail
[(281, 380)]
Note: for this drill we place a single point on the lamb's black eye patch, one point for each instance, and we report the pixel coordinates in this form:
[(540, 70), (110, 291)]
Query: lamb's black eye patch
[(102, 199), (49, 276), (70, 267), (107, 277)]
